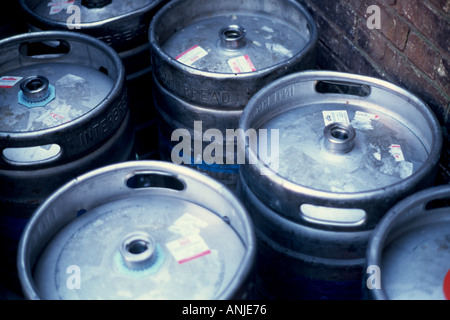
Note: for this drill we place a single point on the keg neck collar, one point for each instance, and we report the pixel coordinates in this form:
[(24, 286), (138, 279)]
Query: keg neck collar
[(232, 37)]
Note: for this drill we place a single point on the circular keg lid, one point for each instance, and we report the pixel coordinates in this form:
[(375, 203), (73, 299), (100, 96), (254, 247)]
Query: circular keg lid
[(411, 247), (232, 37), (150, 230), (336, 137), (90, 11), (58, 91)]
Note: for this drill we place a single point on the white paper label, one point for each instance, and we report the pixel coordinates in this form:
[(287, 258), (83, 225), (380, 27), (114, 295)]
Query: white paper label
[(396, 151), (188, 248), (335, 116), (187, 224), (241, 64), (9, 81), (363, 120), (191, 55), (57, 6), (359, 115)]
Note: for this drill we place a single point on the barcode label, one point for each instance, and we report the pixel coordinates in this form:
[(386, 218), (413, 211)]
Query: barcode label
[(241, 64), (397, 153), (9, 81), (191, 55), (188, 248), (335, 116)]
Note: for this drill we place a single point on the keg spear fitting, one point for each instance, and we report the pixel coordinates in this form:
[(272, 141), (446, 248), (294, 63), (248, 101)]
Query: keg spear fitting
[(36, 91), (339, 137), (138, 251), (232, 37)]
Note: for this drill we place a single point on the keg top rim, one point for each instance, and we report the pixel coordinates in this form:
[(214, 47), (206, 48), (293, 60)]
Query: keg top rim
[(156, 46), (51, 18), (250, 119), (238, 223)]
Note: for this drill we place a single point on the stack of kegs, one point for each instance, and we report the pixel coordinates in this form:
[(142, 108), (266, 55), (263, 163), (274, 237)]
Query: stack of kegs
[(189, 149)]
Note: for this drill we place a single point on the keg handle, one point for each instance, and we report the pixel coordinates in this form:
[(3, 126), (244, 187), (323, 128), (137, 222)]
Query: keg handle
[(437, 203), (342, 87), (33, 155), (95, 4), (154, 179), (340, 217), (44, 49)]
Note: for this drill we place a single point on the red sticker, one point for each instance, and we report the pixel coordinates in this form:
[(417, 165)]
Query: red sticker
[(191, 55), (447, 286), (8, 82)]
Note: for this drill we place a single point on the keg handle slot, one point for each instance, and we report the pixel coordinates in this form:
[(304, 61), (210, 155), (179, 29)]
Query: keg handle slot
[(145, 180), (95, 4), (343, 87), (342, 217), (44, 49), (29, 156), (438, 203)]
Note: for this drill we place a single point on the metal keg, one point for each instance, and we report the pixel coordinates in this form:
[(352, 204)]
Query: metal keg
[(122, 24), (139, 230), (208, 59), (408, 256), (63, 111), (327, 155)]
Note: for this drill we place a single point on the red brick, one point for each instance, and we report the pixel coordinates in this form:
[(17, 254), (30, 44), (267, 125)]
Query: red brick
[(394, 28), (328, 33), (431, 24), (327, 60), (360, 6), (372, 42), (423, 55), (388, 2), (442, 5), (443, 75), (340, 12), (404, 74)]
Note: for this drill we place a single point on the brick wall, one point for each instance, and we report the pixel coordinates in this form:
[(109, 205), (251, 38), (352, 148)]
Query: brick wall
[(411, 49)]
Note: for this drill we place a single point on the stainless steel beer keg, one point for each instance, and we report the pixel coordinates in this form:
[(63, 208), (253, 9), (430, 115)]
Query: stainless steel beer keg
[(139, 230), (64, 111), (123, 25), (334, 152), (408, 256), (209, 58)]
